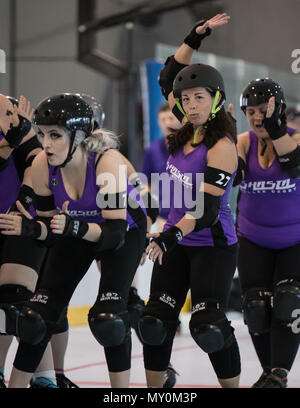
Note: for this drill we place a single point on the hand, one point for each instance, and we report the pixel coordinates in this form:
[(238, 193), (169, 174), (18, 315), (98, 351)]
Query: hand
[(143, 259), (216, 21), (58, 222), (24, 108), (272, 121), (271, 107), (15, 223), (144, 255), (153, 250)]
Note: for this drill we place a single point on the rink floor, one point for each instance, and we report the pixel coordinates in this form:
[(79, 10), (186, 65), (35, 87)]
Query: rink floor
[(85, 363)]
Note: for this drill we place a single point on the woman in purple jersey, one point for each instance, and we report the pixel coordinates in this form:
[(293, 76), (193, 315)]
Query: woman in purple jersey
[(21, 258), (197, 249), (268, 226), (75, 174)]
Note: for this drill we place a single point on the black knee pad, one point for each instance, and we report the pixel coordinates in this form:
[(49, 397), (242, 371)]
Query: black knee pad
[(109, 320), (159, 320), (257, 310), (152, 330), (286, 300), (15, 318), (31, 327), (39, 316), (209, 326)]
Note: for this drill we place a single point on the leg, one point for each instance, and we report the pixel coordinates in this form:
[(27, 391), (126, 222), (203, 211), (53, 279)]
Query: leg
[(256, 267), (286, 305), (5, 342), (65, 266), (212, 271), (109, 317), (169, 285)]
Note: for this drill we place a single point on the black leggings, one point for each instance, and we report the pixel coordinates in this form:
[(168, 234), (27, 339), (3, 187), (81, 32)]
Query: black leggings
[(65, 266), (264, 267), (208, 272)]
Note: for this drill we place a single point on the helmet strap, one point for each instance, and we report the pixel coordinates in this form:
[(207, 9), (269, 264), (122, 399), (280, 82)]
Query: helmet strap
[(71, 151)]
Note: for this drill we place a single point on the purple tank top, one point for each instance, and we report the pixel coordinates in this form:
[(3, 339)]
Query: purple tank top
[(154, 161), (268, 208), (183, 170), (85, 208), (9, 184)]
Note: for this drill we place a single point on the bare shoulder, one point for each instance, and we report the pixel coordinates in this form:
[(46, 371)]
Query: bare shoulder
[(296, 137), (40, 162), (223, 155), (224, 145), (243, 144), (40, 174), (110, 161)]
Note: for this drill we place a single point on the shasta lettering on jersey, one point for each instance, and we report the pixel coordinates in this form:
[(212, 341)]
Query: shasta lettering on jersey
[(178, 175), (264, 186), (83, 213)]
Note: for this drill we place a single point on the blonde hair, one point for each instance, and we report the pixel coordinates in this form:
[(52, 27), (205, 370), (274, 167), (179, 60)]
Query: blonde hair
[(100, 141)]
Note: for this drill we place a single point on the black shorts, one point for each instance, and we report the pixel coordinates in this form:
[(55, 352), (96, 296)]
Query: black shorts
[(264, 267), (22, 251)]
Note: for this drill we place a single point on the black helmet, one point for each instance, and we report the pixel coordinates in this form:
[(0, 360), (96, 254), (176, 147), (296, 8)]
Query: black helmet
[(69, 111), (198, 75), (13, 100), (260, 91), (98, 111)]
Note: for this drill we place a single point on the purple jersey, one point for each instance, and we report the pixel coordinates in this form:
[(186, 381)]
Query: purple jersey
[(85, 208), (268, 208), (155, 159), (9, 184), (184, 170)]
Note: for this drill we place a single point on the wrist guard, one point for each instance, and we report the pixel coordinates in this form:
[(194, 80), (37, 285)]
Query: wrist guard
[(30, 228), (274, 126), (194, 40), (15, 135), (75, 228), (167, 240)]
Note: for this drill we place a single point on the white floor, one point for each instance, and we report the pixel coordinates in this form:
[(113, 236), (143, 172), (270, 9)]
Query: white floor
[(85, 363)]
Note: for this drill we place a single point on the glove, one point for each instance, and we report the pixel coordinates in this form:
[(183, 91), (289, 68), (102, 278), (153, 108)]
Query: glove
[(194, 40), (75, 228), (30, 228), (273, 125), (167, 240), (15, 135)]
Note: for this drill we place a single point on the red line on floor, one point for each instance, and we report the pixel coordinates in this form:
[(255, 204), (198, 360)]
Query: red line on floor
[(101, 363)]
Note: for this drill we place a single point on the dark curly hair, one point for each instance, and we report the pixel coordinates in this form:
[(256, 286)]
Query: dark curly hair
[(222, 125)]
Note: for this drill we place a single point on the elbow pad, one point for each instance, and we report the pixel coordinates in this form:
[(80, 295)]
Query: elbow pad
[(25, 196), (168, 74), (239, 177), (290, 163), (113, 235), (210, 214)]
